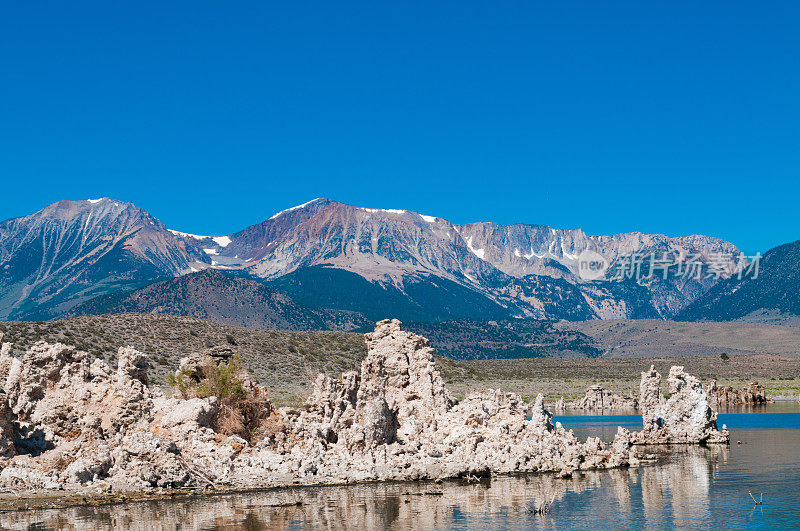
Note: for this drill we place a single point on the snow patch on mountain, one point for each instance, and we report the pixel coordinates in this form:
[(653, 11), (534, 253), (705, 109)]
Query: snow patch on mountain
[(386, 210), (222, 241), (294, 208), (187, 235), (480, 253), (532, 254), (429, 219), (567, 255)]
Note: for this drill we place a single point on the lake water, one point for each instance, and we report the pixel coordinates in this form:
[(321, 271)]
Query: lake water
[(689, 487)]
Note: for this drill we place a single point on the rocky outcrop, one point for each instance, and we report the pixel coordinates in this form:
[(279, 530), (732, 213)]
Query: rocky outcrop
[(58, 392), (196, 365), (560, 405), (597, 397), (685, 417), (396, 420), (7, 429), (753, 394), (132, 365), (71, 423), (186, 415)]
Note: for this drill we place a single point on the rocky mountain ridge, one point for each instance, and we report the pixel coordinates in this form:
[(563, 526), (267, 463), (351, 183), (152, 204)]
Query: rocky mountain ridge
[(772, 296), (71, 251), (74, 250), (530, 269)]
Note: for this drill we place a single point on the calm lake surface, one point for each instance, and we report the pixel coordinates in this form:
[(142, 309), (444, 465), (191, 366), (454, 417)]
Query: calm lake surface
[(690, 487)]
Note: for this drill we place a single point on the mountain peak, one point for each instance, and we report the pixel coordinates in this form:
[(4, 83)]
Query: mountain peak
[(531, 270), (298, 207), (61, 254)]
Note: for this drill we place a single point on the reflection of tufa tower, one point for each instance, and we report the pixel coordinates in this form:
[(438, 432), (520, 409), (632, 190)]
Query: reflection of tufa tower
[(682, 483), (621, 480)]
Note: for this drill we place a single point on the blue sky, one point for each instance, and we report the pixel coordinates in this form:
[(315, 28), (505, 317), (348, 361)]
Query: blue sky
[(665, 117)]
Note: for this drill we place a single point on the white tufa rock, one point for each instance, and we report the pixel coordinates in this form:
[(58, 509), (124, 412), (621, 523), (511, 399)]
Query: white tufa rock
[(685, 417), (597, 398), (85, 425)]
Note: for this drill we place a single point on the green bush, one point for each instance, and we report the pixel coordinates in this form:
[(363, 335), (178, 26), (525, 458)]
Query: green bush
[(222, 382), (182, 382)]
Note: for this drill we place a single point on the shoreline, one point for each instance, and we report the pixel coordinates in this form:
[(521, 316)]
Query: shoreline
[(61, 499), (79, 426)]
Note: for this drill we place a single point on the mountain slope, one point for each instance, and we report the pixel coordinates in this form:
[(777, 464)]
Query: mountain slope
[(506, 339), (776, 290), (377, 244), (531, 270), (421, 267), (427, 298), (72, 250), (220, 297)]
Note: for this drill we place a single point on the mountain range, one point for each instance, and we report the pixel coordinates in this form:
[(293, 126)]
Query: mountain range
[(329, 264), (772, 296)]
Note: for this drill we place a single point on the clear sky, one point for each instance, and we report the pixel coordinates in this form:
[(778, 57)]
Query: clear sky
[(670, 117)]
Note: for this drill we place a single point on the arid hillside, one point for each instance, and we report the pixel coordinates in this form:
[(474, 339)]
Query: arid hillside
[(287, 361), (647, 338)]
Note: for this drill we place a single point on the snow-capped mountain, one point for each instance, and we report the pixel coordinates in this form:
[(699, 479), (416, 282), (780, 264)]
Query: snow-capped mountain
[(530, 269), (378, 244), (73, 249)]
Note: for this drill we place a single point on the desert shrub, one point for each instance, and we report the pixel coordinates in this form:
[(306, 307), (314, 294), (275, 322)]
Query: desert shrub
[(222, 381), (243, 409), (182, 382)]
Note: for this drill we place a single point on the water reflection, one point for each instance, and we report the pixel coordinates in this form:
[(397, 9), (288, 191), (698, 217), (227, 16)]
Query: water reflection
[(689, 487), (681, 485)]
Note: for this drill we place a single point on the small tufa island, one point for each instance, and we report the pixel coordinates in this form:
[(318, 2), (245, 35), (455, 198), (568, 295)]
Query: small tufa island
[(78, 426)]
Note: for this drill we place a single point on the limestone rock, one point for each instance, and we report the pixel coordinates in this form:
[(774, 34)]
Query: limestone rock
[(597, 397), (560, 405), (58, 390), (186, 415), (7, 430), (396, 420), (196, 365), (144, 459), (685, 417), (6, 359), (93, 463), (752, 394), (540, 417), (75, 418), (82, 424), (399, 368), (132, 364)]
